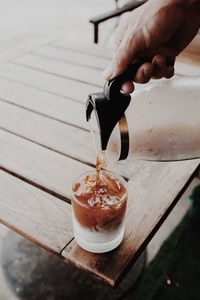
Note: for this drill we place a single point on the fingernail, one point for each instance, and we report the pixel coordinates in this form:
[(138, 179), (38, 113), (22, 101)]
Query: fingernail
[(148, 70), (127, 87), (147, 73), (159, 60), (107, 73)]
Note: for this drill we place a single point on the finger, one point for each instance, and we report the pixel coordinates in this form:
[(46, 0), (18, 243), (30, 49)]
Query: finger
[(159, 63), (144, 73), (164, 51), (107, 73), (119, 64), (123, 56), (170, 61), (127, 87), (169, 72)]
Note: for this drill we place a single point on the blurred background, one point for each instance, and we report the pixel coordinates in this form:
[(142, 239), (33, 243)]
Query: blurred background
[(24, 23)]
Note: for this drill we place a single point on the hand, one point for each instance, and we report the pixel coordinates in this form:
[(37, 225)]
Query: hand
[(157, 31)]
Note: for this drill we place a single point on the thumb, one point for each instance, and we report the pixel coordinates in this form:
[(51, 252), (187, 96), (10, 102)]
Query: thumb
[(123, 57), (121, 30)]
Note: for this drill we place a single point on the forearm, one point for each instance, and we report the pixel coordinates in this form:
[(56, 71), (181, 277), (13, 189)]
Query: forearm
[(189, 5), (189, 9)]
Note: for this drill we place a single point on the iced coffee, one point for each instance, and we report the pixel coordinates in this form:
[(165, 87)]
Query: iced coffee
[(99, 204)]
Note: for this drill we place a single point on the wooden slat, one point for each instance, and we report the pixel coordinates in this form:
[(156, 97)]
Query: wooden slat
[(38, 165), (65, 139), (57, 107), (35, 214), (53, 134), (70, 56), (47, 82), (64, 69), (92, 49), (153, 191)]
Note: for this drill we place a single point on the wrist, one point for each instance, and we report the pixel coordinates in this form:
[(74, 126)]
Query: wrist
[(187, 6), (182, 3)]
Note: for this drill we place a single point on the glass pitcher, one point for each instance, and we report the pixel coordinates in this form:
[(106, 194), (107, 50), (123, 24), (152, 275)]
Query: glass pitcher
[(159, 122)]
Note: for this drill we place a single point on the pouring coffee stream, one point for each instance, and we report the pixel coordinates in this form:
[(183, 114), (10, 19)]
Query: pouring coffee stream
[(164, 128)]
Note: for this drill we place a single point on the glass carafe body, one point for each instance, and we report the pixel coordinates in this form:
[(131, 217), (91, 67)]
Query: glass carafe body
[(163, 121)]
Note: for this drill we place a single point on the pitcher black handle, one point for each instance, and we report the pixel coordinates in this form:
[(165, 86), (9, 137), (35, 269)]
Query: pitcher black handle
[(112, 88)]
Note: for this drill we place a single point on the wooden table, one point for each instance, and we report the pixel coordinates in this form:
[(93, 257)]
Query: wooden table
[(45, 144)]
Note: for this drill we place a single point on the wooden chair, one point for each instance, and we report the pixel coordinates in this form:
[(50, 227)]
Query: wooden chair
[(131, 5)]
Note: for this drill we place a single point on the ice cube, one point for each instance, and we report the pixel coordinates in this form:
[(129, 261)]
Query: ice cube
[(110, 200), (91, 201), (110, 182)]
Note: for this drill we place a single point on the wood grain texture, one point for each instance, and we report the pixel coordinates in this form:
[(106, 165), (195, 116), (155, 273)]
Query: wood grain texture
[(92, 49), (70, 56), (35, 214), (57, 107), (61, 138), (153, 190), (48, 82), (64, 69), (38, 165)]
